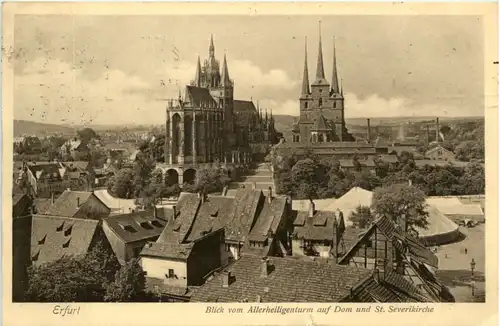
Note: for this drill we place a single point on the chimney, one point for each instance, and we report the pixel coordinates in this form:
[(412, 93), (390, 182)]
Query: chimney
[(155, 213), (437, 130), (254, 185), (427, 136), (78, 201), (175, 211), (201, 196), (226, 276), (311, 208), (409, 182), (52, 198), (369, 131), (270, 195), (264, 267)]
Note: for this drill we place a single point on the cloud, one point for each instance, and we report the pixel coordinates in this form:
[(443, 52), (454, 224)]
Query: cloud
[(248, 75), (52, 91), (288, 107), (250, 80), (377, 107)]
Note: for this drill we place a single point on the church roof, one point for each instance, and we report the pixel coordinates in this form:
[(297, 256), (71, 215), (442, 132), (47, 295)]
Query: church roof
[(244, 106), (197, 96), (320, 124)]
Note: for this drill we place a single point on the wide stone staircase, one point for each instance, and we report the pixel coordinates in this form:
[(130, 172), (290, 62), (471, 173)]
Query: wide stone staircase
[(261, 177)]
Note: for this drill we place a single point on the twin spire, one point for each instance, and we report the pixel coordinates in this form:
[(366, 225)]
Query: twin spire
[(320, 70)]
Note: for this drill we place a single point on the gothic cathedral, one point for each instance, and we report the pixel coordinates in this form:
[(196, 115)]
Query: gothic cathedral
[(206, 124)]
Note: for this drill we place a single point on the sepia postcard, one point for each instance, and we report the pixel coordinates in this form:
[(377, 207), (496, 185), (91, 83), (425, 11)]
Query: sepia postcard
[(250, 163)]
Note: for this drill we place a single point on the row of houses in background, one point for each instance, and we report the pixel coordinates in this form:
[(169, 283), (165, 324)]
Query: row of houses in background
[(255, 246), (42, 179)]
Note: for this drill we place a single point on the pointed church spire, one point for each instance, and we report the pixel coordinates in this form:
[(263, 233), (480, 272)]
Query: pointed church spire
[(211, 48), (320, 71), (341, 87), (335, 79), (305, 77), (197, 78), (225, 73)]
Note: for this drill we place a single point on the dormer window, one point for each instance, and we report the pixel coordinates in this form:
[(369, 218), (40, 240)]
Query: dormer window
[(68, 231), (41, 242), (35, 256), (146, 225), (60, 228), (157, 224), (128, 228), (66, 244)]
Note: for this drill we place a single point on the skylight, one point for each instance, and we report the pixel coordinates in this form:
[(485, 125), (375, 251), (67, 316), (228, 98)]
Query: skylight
[(157, 224)]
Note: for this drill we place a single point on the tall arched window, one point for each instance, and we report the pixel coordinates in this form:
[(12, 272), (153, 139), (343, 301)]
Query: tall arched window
[(320, 102)]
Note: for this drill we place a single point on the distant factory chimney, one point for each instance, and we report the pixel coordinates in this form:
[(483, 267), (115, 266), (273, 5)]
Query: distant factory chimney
[(437, 130), (369, 131), (427, 136)]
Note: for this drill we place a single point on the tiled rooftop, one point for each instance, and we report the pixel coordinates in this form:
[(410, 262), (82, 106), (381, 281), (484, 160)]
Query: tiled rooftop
[(68, 203), (138, 226), (287, 280), (53, 237), (167, 250)]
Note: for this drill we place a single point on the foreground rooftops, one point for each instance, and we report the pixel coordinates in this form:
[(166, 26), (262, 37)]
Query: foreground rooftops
[(69, 203), (281, 280), (53, 237)]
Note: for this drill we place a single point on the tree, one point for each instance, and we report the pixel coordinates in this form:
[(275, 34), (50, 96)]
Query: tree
[(401, 202), (361, 216), (210, 179), (129, 284), (86, 135), (469, 150), (122, 184), (366, 180), (142, 169), (304, 178), (473, 179)]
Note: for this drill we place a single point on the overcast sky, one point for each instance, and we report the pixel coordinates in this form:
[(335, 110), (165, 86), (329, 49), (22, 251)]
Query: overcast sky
[(111, 69)]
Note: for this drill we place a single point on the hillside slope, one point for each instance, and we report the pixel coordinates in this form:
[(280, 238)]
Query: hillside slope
[(24, 127)]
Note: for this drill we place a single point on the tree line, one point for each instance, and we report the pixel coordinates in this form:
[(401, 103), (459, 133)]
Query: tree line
[(310, 176)]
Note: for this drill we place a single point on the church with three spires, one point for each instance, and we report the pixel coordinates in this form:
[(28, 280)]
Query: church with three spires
[(206, 124), (321, 105), (321, 127)]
